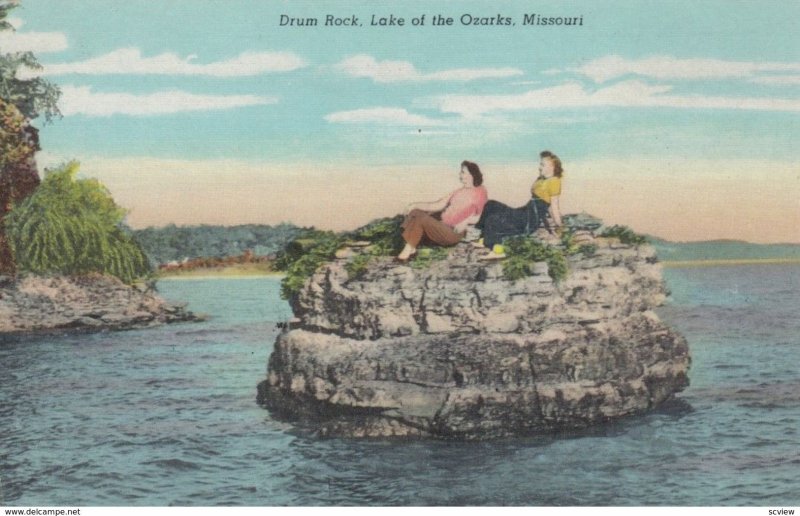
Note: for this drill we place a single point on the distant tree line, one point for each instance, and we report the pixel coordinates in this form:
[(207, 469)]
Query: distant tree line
[(246, 258), (177, 243)]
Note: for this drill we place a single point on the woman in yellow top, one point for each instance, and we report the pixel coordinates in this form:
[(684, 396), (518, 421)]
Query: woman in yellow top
[(499, 221)]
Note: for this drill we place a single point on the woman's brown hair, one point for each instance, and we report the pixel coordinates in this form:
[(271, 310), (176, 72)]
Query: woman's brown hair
[(558, 170), (475, 171)]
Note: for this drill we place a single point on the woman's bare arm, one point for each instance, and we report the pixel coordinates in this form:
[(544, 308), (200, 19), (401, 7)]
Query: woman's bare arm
[(555, 210), (462, 226), (438, 205)]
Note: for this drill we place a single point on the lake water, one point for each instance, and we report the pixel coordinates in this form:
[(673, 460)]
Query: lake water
[(167, 416)]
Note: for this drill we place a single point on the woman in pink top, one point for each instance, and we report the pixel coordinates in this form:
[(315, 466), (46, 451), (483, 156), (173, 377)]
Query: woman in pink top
[(459, 209)]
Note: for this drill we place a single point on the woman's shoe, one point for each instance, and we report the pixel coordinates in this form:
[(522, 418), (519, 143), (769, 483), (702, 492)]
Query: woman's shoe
[(397, 259), (492, 256)]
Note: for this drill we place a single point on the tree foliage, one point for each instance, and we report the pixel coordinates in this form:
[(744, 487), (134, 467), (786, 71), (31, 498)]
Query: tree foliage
[(18, 175), (176, 243), (33, 96), (21, 100), (16, 142), (71, 226)]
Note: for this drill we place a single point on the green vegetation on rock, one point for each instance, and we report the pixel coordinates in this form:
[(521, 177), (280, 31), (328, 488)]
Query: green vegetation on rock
[(587, 250), (571, 247), (303, 256), (70, 226), (568, 242), (312, 248), (357, 266), (523, 251), (385, 235), (427, 255), (625, 235)]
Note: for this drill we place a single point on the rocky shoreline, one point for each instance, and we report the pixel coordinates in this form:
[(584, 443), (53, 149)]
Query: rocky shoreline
[(457, 351), (90, 303)]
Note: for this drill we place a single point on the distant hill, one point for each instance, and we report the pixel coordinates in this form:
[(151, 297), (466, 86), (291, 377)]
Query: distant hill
[(176, 243), (722, 250)]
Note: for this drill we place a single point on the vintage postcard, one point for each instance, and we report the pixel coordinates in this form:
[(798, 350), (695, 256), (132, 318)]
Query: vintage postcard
[(353, 253)]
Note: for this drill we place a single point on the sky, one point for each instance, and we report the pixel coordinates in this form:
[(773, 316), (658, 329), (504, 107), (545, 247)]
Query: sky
[(676, 118)]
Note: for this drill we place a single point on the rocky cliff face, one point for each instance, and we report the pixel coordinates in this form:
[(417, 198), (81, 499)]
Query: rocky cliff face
[(455, 350), (86, 303)]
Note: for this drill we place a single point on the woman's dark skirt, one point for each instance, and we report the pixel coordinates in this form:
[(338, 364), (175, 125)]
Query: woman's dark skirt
[(499, 221)]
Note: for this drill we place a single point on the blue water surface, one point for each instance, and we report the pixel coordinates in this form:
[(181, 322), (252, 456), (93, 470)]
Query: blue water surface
[(167, 416)]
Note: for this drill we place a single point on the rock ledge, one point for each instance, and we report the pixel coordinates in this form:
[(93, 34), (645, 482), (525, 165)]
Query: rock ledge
[(57, 304), (457, 351)]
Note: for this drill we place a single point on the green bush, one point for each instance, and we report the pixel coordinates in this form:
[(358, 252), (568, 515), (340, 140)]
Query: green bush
[(312, 248), (70, 226), (357, 266), (588, 250), (568, 242), (522, 252), (303, 256), (385, 236), (625, 235), (306, 243), (427, 255)]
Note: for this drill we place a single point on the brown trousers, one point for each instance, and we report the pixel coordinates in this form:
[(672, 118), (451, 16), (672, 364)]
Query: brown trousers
[(420, 224)]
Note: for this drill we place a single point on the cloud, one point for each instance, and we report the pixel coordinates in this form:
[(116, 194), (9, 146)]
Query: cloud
[(382, 116), (81, 100), (623, 94), (428, 132), (129, 61), (402, 71), (667, 67), (38, 42), (525, 83), (778, 80)]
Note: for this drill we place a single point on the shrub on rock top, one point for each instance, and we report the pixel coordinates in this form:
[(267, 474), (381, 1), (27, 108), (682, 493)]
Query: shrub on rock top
[(625, 235), (303, 255), (73, 226), (524, 251)]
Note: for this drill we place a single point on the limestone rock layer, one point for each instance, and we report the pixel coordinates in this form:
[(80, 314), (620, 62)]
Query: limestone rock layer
[(454, 350)]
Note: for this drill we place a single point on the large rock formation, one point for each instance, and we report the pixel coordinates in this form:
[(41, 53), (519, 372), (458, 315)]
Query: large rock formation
[(37, 304), (455, 350)]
